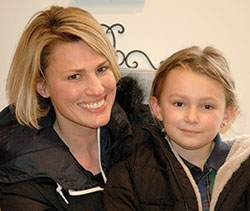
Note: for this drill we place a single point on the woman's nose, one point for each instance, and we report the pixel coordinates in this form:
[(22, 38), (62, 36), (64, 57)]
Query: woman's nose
[(192, 115), (94, 86)]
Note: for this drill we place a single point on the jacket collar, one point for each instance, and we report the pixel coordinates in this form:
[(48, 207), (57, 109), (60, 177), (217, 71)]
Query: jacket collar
[(43, 154), (217, 157), (23, 152)]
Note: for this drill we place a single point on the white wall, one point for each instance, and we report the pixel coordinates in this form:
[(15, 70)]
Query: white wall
[(158, 27)]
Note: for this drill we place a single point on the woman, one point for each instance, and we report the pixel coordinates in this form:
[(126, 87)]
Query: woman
[(56, 147)]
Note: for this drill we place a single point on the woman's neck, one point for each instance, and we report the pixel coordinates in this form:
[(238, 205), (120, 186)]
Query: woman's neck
[(76, 136), (82, 143)]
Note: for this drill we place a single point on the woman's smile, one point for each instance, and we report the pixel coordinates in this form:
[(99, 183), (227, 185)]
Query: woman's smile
[(94, 106)]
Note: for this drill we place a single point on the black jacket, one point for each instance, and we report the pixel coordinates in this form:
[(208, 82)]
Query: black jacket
[(155, 178), (37, 170)]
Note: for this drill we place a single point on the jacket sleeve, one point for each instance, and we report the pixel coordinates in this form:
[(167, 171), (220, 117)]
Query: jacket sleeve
[(23, 196), (119, 193)]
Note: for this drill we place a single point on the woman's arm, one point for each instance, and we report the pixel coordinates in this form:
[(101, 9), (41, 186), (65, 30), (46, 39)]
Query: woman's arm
[(28, 195)]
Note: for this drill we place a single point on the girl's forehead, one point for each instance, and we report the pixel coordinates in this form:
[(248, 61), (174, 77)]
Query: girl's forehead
[(190, 83)]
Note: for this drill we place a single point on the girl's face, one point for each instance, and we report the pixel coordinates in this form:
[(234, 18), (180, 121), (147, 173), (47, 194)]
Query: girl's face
[(192, 107), (80, 84)]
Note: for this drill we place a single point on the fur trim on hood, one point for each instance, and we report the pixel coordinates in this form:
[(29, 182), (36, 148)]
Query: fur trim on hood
[(130, 97), (239, 153)]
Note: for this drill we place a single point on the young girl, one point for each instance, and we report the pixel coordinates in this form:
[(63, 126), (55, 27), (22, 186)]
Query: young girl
[(186, 165)]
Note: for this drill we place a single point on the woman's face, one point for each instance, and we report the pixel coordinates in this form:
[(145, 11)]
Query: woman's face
[(80, 84)]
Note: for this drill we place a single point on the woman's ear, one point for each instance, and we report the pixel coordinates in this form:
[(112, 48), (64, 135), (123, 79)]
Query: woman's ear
[(154, 103), (41, 88)]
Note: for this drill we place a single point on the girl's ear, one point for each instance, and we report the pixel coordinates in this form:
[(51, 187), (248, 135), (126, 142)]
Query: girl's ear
[(154, 103), (229, 113), (41, 88)]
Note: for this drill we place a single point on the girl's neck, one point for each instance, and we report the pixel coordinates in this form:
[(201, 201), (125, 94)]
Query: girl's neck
[(197, 157)]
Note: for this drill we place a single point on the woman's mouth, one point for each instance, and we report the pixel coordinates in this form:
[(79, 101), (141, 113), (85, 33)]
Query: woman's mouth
[(95, 105)]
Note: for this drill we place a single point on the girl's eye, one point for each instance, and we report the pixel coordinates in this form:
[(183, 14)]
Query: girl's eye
[(208, 107), (75, 76), (101, 69), (179, 104)]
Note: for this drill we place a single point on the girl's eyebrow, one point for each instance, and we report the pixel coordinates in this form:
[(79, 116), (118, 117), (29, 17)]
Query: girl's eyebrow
[(185, 96), (177, 95)]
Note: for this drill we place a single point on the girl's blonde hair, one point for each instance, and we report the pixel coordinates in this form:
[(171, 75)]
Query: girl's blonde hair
[(208, 61), (43, 32)]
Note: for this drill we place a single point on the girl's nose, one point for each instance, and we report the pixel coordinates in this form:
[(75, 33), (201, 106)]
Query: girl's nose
[(192, 115), (94, 86)]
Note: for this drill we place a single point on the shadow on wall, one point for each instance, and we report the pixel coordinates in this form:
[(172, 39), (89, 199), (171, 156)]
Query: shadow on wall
[(108, 1), (111, 6)]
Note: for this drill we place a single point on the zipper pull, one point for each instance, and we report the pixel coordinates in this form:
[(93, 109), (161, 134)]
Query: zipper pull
[(59, 190)]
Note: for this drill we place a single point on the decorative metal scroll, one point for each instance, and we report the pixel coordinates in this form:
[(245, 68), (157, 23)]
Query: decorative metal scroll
[(125, 58)]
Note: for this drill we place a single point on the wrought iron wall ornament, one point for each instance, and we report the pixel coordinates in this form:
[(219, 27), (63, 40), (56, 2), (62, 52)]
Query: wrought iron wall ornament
[(125, 58)]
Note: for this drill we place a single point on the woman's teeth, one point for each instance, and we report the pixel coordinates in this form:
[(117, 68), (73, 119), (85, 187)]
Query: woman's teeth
[(93, 105)]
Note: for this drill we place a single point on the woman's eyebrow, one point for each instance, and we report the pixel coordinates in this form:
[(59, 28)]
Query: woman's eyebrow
[(105, 62), (79, 70)]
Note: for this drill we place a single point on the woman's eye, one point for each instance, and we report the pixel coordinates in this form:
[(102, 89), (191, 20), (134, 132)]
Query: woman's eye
[(75, 76), (101, 69), (179, 104)]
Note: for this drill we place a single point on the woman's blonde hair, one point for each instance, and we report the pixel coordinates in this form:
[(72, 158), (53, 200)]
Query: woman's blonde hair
[(43, 32), (208, 61)]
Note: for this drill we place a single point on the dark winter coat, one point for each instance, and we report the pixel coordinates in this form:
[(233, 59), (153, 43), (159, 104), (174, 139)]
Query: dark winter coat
[(37, 170), (155, 178)]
